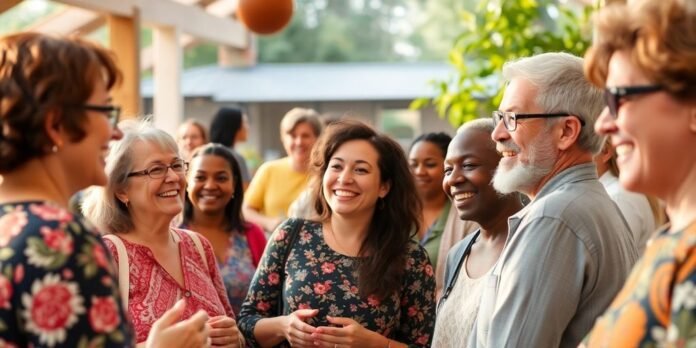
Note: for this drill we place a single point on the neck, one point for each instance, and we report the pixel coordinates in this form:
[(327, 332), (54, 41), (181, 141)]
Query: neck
[(208, 221), (496, 227), (299, 166), (352, 230), (434, 201), (681, 204), (566, 159), (35, 181), (150, 230)]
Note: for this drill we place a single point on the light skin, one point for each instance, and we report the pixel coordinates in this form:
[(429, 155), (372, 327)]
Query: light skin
[(210, 188), (650, 135), (520, 96), (152, 204), (53, 178), (298, 144), (243, 132), (469, 167), (425, 160), (189, 138)]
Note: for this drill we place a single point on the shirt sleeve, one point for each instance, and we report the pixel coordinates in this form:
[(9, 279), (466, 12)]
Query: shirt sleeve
[(682, 320), (539, 287), (58, 288), (417, 301), (266, 288), (255, 193)]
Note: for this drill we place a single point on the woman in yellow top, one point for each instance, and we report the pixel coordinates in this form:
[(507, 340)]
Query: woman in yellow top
[(278, 183)]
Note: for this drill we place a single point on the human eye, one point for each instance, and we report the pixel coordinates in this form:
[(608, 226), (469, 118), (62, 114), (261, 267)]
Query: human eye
[(157, 170), (199, 178), (448, 170), (222, 178), (469, 165)]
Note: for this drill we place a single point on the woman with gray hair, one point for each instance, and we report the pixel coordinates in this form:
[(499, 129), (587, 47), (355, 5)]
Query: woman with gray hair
[(145, 191)]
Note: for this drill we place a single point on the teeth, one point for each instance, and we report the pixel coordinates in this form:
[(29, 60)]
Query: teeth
[(343, 193), (169, 193), (464, 195), (623, 149), (508, 153)]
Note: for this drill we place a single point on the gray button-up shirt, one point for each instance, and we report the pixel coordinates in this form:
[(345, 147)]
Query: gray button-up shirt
[(567, 255)]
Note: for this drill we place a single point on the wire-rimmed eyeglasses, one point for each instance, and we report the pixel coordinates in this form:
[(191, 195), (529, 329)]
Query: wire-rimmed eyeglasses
[(158, 171)]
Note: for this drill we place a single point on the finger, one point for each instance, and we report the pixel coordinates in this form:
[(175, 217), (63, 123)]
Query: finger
[(173, 315), (306, 313), (302, 326), (323, 340), (340, 320), (217, 332), (299, 337), (224, 322), (223, 340), (331, 331)]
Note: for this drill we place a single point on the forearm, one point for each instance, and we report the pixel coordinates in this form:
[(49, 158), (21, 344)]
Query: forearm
[(270, 332), (253, 215)]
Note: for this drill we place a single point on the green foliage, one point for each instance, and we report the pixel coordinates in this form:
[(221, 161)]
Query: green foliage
[(496, 32)]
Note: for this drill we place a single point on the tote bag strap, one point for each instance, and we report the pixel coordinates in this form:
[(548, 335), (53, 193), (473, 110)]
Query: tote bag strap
[(123, 273)]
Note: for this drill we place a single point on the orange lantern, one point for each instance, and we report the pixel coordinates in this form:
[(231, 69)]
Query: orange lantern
[(265, 16)]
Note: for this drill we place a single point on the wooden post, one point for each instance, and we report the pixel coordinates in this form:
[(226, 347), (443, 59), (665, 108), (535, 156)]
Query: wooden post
[(124, 39), (167, 99)]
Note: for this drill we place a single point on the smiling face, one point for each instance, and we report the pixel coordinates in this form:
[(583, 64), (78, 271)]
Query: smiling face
[(154, 197), (210, 184), (426, 163), (298, 142), (469, 167), (351, 183), (189, 137), (649, 135), (528, 154), (89, 153)]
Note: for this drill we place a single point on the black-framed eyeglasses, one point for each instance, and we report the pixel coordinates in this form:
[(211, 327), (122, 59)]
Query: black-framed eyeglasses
[(510, 118), (112, 112), (158, 171), (613, 95)]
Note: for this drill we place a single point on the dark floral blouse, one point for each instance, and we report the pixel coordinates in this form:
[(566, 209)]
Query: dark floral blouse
[(57, 282), (317, 277)]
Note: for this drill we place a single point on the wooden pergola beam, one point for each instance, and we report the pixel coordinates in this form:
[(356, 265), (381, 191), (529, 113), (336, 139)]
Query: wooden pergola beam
[(124, 40), (188, 19), (8, 4)]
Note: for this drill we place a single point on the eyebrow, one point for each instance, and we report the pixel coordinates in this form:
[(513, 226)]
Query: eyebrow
[(356, 161), (462, 157)]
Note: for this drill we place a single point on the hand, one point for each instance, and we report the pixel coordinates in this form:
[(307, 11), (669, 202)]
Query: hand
[(224, 332), (297, 332), (349, 334), (168, 331)]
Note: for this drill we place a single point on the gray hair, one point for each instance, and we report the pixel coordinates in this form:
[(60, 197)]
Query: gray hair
[(100, 205), (562, 87), (301, 115)]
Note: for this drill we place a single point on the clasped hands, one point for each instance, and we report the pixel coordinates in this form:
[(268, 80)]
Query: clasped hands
[(346, 334)]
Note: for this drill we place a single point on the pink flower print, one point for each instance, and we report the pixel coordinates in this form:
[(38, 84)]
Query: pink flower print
[(50, 212), (429, 270), (373, 300), (412, 311), (422, 340), (328, 267), (103, 315), (273, 278), (57, 240), (322, 288), (11, 224), (5, 292), (19, 273), (280, 236), (100, 256), (303, 306), (264, 306)]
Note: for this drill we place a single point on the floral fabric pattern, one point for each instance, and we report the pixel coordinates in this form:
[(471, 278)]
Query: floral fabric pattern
[(57, 283), (657, 306), (237, 270), (317, 277), (152, 290)]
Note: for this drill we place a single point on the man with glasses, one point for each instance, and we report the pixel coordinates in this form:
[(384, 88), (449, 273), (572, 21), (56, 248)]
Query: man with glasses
[(569, 251)]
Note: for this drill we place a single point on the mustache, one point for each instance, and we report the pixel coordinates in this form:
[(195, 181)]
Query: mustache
[(507, 145)]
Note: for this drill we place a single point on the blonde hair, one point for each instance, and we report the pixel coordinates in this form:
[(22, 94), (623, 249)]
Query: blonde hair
[(300, 115)]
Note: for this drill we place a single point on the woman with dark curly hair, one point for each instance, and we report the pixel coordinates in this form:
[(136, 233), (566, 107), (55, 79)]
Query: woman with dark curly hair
[(645, 57), (355, 278)]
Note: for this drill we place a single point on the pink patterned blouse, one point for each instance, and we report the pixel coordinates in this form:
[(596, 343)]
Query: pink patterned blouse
[(152, 290)]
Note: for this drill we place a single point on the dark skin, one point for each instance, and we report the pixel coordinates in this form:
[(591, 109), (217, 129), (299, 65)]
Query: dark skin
[(470, 164)]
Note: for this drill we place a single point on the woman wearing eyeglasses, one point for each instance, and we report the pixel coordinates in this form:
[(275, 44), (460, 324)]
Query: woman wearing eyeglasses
[(645, 57), (158, 264), (57, 287)]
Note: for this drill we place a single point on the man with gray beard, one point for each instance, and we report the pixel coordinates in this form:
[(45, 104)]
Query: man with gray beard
[(569, 251)]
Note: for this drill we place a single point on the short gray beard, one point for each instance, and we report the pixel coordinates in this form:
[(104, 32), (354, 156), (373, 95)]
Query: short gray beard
[(523, 177)]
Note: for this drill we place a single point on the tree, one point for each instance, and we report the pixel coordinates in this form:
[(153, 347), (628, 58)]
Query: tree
[(499, 31)]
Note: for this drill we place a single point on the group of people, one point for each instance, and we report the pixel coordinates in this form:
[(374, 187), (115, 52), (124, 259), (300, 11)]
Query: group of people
[(430, 247)]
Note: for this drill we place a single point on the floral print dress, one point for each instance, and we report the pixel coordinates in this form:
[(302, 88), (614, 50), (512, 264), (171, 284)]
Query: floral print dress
[(57, 281), (657, 306), (317, 277)]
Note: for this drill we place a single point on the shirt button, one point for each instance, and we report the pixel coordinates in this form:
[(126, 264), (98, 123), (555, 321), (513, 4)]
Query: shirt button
[(187, 293)]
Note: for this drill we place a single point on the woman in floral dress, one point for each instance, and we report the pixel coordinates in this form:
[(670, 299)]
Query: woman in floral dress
[(645, 56), (145, 191), (57, 281), (355, 278), (213, 208)]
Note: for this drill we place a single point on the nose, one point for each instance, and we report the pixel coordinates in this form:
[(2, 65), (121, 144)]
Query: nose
[(171, 175), (116, 133), (500, 133), (346, 176), (454, 178), (606, 123), (419, 169)]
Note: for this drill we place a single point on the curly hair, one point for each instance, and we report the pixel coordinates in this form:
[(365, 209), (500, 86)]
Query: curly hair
[(41, 74), (660, 37), (395, 220), (233, 219)]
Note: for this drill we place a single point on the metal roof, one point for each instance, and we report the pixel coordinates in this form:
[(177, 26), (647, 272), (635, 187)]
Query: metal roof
[(310, 82)]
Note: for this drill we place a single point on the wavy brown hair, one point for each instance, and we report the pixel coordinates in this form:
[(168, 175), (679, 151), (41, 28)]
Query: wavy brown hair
[(396, 217), (41, 74), (660, 37)]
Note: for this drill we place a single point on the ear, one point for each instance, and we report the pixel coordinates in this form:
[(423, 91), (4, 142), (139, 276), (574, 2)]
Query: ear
[(122, 196), (569, 132), (384, 189), (53, 128)]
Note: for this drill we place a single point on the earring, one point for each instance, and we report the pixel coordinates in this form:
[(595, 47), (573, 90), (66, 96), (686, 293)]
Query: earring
[(54, 148), (380, 203)]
